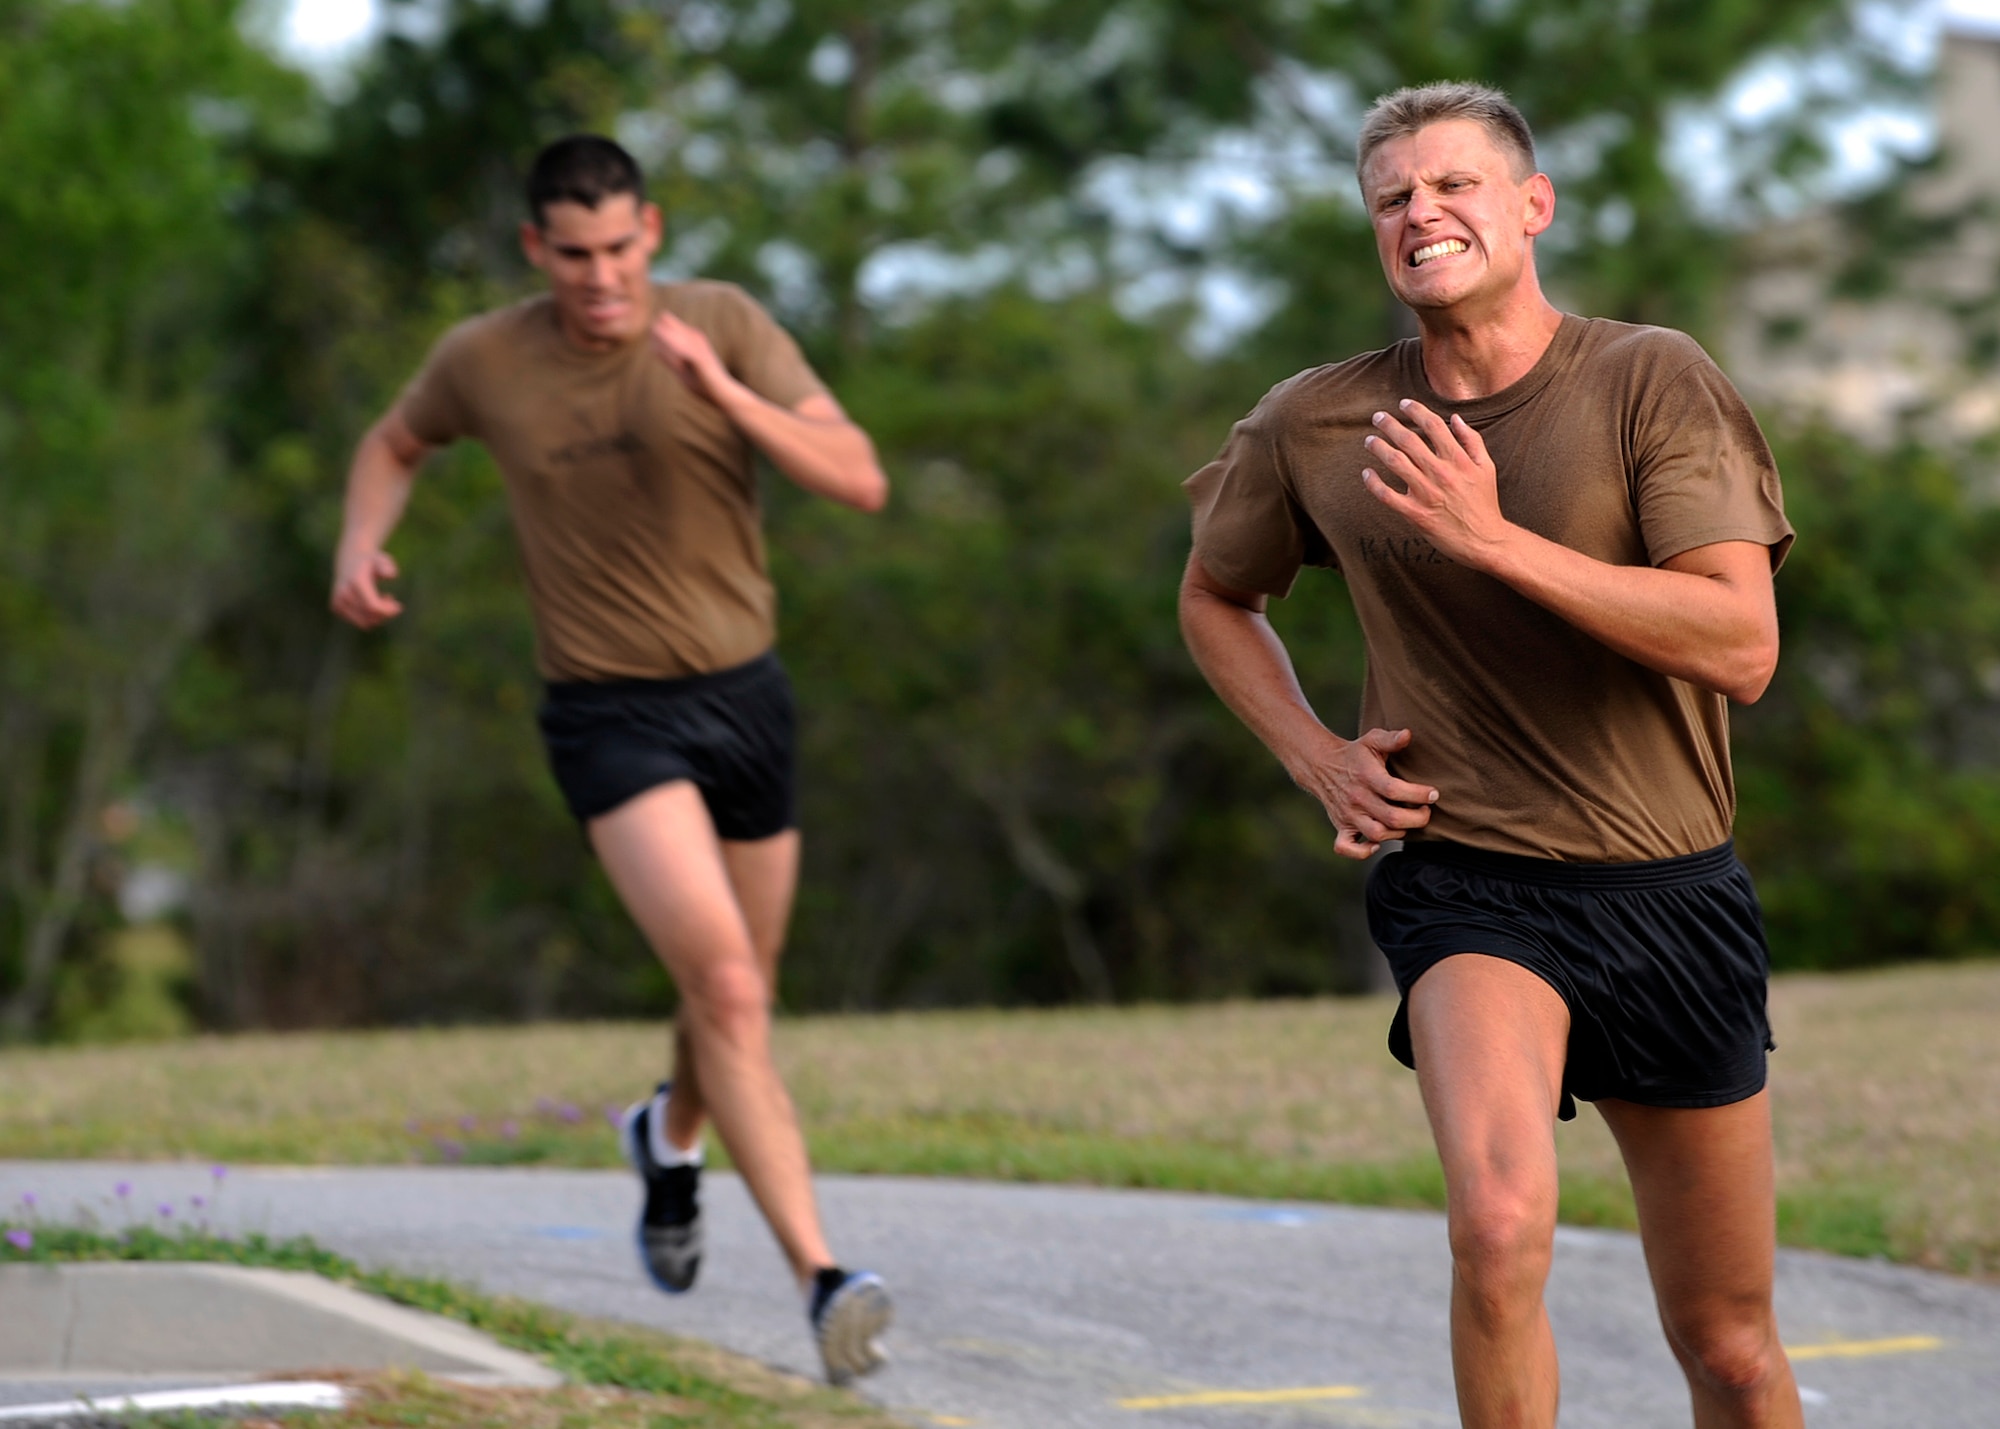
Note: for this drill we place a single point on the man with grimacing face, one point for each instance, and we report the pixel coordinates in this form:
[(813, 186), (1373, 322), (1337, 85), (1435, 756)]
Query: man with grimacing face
[(625, 416), (1559, 534)]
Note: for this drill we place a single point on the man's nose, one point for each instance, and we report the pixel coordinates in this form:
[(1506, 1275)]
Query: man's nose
[(1423, 207)]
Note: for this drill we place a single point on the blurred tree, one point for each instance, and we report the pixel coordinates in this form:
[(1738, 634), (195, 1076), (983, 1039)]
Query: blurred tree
[(1870, 774), (116, 137)]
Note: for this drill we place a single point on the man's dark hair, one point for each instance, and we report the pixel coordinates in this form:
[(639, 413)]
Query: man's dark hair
[(1397, 115), (585, 169)]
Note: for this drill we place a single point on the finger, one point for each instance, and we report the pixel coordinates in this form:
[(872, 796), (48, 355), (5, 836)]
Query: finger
[(386, 568), (1402, 437), (1352, 845), (1436, 432), (1469, 438), (1395, 500), (1379, 819), (1384, 741), (1401, 791), (1412, 467)]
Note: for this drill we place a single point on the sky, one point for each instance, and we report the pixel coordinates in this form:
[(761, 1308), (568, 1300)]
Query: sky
[(322, 30)]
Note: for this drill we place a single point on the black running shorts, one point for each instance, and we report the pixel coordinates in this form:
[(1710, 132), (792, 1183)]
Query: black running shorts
[(732, 733), (1663, 964)]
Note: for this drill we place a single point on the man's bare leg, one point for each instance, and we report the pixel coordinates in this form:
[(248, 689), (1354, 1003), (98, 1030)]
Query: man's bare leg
[(1490, 1040), (765, 875), (1705, 1191), (662, 855)]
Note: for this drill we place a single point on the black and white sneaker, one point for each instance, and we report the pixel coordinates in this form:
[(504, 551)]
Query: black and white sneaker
[(669, 1232), (849, 1309)]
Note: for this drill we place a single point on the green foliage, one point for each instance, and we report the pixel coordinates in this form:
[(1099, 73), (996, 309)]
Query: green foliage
[(1870, 773)]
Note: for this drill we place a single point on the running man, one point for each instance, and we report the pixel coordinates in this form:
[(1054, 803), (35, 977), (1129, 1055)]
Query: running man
[(624, 416), (1559, 534)]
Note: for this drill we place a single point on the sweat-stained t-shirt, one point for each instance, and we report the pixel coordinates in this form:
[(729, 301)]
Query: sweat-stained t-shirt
[(1625, 443), (634, 501)]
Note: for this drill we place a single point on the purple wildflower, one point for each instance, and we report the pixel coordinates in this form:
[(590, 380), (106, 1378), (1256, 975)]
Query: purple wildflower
[(122, 1189), (613, 1115), (166, 1209), (414, 1127), (197, 1202), (450, 1150), (544, 1107), (510, 1128), (218, 1172), (28, 1199), (569, 1113), (23, 1241), (468, 1124)]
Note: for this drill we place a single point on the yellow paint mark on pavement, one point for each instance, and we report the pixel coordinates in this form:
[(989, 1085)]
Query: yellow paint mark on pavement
[(951, 1421), (1245, 1396), (1861, 1349)]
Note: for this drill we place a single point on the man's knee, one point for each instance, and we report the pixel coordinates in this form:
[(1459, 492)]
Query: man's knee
[(726, 998), (1502, 1239), (1733, 1354)]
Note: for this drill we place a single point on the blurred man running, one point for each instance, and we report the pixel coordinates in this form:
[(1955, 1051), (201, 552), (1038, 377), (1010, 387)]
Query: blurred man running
[(625, 416), (1560, 535)]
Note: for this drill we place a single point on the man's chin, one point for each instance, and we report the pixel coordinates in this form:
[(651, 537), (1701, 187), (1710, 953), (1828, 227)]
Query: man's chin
[(619, 325)]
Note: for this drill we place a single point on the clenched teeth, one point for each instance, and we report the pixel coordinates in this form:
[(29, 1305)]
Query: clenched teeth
[(1436, 250)]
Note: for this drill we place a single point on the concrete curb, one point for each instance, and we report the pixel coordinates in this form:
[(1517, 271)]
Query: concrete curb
[(188, 1323)]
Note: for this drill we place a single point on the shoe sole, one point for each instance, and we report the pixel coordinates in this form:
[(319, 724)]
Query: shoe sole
[(636, 1158), (858, 1312)]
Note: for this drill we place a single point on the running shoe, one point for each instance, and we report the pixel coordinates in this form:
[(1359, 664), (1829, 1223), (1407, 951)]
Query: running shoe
[(849, 1309), (669, 1232)]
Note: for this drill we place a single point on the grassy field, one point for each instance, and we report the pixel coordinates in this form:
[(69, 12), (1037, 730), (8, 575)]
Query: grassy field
[(1886, 1085)]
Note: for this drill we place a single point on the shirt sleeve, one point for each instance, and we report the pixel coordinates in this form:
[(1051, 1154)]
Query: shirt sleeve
[(761, 354), (1249, 529), (1704, 472), (433, 404)]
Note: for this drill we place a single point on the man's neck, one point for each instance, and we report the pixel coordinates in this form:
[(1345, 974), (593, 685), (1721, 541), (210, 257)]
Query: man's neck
[(1467, 357)]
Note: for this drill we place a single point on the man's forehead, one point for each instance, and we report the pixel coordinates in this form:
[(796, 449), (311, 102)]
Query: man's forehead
[(568, 222), (1448, 146)]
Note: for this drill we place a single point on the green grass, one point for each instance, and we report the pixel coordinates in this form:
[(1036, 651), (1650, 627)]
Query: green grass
[(619, 1374), (1885, 1091)]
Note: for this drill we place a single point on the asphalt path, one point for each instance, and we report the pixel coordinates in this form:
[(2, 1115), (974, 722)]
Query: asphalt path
[(1034, 1307)]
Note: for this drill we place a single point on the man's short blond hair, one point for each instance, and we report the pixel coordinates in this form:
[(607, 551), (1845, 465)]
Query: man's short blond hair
[(1405, 111)]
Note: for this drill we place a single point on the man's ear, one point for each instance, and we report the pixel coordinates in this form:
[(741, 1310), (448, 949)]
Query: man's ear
[(1541, 209), (652, 227), (532, 246)]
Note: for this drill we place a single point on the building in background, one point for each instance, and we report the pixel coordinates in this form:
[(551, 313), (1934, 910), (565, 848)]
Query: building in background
[(1887, 315)]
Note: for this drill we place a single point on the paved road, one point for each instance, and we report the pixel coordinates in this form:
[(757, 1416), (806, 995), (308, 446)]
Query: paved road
[(1035, 1307)]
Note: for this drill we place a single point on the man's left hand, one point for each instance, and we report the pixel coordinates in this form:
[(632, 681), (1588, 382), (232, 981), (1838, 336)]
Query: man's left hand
[(686, 349), (1453, 490)]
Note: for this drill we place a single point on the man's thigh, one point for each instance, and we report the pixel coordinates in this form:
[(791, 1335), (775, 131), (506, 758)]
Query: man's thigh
[(765, 876), (1704, 1185), (661, 853), (1489, 1038)]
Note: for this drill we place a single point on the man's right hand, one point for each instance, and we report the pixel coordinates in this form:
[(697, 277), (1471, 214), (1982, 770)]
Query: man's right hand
[(357, 596), (1366, 804)]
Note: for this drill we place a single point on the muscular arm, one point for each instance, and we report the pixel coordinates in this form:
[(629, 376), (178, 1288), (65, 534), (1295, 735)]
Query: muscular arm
[(378, 487), (813, 443), (1708, 616), (1232, 641)]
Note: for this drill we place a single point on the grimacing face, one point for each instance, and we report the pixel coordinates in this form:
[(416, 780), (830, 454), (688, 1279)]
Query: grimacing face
[(1454, 226), (598, 262)]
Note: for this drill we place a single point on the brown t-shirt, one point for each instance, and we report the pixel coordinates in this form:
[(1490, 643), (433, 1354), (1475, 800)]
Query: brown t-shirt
[(634, 501), (1625, 443)]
